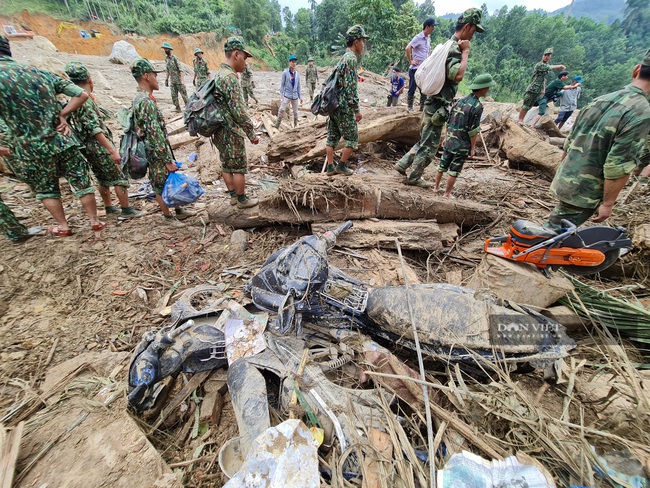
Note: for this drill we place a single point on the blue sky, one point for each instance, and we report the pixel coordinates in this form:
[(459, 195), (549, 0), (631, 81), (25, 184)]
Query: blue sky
[(452, 6)]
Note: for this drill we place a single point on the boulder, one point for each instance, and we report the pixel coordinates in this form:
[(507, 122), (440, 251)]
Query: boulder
[(123, 53), (45, 44)]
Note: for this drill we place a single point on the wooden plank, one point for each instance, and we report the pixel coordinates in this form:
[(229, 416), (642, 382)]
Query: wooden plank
[(182, 139), (193, 384), (10, 448)]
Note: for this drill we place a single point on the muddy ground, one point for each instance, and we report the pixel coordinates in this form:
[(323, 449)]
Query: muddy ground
[(60, 297)]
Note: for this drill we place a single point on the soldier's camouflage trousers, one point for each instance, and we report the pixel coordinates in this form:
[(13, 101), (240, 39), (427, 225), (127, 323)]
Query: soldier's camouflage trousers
[(247, 91), (105, 170), (200, 81), (9, 224), (232, 151), (312, 89), (422, 153), (566, 211), (176, 89)]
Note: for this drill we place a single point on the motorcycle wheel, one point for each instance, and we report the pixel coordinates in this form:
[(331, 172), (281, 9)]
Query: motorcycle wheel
[(610, 259)]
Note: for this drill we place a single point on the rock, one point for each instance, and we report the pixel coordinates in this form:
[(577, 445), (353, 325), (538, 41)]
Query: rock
[(49, 64), (45, 44), (123, 53), (100, 80), (239, 241), (519, 282)]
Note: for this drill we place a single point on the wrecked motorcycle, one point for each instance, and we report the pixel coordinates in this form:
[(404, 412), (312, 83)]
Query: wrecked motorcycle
[(453, 323), (584, 251)]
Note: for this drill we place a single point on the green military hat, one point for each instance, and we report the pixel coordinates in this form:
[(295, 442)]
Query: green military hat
[(646, 60), (142, 66), (310, 58), (356, 32), (76, 71), (236, 43), (549, 51), (197, 51), (472, 16), (5, 49), (482, 81), (166, 45)]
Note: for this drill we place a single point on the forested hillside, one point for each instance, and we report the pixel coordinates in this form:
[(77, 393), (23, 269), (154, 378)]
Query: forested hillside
[(514, 39)]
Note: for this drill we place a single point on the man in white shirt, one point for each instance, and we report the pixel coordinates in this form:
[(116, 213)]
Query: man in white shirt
[(416, 52)]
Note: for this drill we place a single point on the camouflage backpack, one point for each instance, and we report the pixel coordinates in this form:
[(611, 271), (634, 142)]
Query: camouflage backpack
[(202, 113), (132, 148)]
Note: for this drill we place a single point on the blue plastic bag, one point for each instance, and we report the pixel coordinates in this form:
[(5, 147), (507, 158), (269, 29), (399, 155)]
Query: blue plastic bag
[(181, 189)]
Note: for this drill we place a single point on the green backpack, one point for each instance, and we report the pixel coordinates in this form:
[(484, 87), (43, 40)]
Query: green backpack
[(132, 148), (202, 112)]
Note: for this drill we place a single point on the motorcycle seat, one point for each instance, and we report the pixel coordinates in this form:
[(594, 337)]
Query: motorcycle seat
[(529, 233)]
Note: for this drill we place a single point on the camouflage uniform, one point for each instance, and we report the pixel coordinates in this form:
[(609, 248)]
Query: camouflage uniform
[(229, 139), (29, 115), (537, 82), (311, 76), (87, 122), (604, 143), (434, 117), (247, 84), (341, 122), (644, 157), (551, 93), (150, 127), (202, 71), (464, 122), (174, 71), (9, 224)]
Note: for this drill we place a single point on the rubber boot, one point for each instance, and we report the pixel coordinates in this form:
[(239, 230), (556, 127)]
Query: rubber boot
[(409, 101), (342, 169), (295, 122), (277, 123), (423, 98), (331, 169)]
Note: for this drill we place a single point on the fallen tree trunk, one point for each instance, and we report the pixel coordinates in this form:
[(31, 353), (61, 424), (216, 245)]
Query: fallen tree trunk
[(524, 148), (319, 198), (421, 235), (308, 142)]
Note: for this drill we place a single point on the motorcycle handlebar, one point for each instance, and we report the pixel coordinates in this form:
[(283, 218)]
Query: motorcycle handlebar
[(345, 226)]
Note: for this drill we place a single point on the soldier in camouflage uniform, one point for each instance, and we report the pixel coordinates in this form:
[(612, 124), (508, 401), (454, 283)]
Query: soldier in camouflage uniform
[(150, 126), (229, 139), (311, 77), (174, 74), (343, 121), (201, 70), (247, 84), (462, 130), (436, 107), (34, 129), (643, 164), (537, 84), (602, 151), (97, 145)]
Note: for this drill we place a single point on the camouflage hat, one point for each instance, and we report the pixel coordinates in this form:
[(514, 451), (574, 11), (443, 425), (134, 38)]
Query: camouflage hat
[(236, 43), (142, 66), (549, 51), (197, 51), (5, 49), (166, 45), (472, 16), (76, 71), (482, 81), (310, 58), (356, 32), (646, 59)]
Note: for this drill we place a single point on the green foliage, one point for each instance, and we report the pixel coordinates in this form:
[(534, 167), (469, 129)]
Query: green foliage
[(252, 18)]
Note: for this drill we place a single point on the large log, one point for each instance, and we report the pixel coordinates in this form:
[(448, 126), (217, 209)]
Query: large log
[(523, 147), (319, 198), (421, 235), (308, 142)]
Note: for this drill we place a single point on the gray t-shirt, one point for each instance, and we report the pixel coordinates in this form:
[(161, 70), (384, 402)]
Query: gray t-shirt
[(570, 100)]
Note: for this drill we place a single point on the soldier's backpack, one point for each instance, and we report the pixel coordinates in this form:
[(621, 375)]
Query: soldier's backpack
[(132, 148), (432, 72), (327, 101), (203, 113)]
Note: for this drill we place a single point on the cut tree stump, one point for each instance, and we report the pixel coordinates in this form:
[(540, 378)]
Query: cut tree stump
[(547, 124), (319, 198), (308, 141), (557, 141), (422, 235), (523, 147), (522, 283)]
